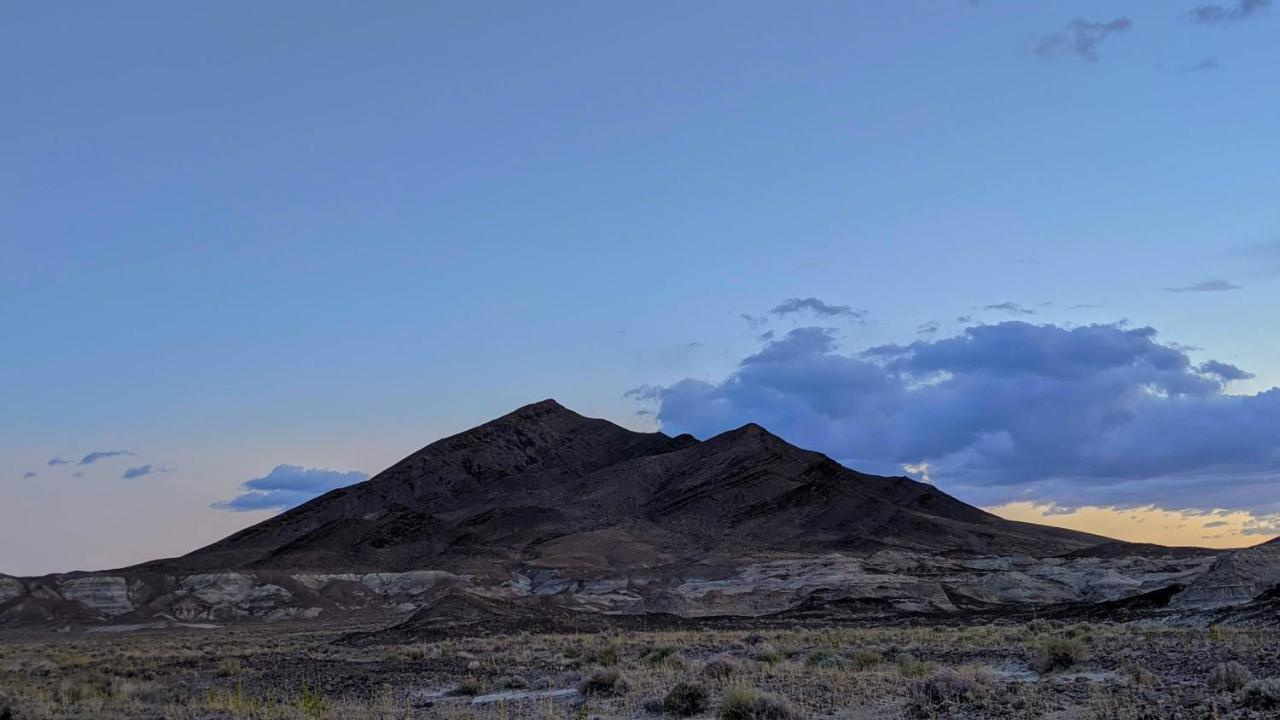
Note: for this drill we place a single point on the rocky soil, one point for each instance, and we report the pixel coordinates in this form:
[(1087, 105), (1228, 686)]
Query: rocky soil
[(308, 670)]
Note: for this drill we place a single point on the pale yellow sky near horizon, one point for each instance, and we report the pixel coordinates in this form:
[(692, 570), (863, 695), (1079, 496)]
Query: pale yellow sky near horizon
[(1215, 529)]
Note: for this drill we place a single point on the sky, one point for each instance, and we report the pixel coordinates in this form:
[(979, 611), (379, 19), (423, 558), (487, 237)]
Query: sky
[(1029, 252)]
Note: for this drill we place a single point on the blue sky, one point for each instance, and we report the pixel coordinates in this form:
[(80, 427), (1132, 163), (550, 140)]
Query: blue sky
[(237, 237)]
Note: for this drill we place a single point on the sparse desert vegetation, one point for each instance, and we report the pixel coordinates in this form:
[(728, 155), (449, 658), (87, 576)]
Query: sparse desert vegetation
[(1091, 672)]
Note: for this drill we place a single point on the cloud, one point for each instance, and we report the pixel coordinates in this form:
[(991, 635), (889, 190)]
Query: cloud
[(144, 470), (1213, 285), (1080, 38), (1102, 415), (97, 455), (644, 392), (287, 486), (58, 461), (1216, 523), (819, 308), (1226, 371), (1263, 256), (1216, 14), (1010, 307), (1208, 64), (29, 475), (928, 328)]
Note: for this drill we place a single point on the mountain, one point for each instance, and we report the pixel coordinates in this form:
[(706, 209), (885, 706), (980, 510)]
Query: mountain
[(544, 513), (546, 486)]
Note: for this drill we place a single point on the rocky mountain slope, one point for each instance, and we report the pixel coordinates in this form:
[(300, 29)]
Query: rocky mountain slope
[(544, 505)]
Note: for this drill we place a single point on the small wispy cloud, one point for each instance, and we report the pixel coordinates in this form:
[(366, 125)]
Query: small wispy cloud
[(1080, 38), (143, 471), (1209, 64), (819, 308), (1226, 371), (1011, 308), (97, 455), (29, 475), (644, 393), (928, 328), (1218, 14), (1212, 285), (58, 461)]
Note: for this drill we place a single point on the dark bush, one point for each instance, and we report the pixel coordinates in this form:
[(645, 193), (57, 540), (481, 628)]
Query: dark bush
[(685, 699), (603, 681), (658, 654), (721, 667), (1263, 694), (944, 688), (1229, 677), (1059, 653), (746, 703)]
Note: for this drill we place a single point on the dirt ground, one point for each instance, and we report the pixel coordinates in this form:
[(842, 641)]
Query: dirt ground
[(1039, 669)]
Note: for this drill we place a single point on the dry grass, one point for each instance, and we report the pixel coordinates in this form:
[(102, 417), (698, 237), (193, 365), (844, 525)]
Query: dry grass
[(269, 672)]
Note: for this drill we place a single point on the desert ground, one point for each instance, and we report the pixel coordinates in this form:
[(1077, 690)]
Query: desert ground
[(1035, 669)]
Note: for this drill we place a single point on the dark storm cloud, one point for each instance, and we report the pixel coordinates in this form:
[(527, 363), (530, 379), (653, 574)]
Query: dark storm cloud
[(1217, 14), (286, 486), (819, 308), (1080, 38), (97, 455), (1092, 415), (1213, 285)]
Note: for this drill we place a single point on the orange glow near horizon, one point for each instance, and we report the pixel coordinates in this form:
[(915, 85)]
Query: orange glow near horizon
[(1216, 529)]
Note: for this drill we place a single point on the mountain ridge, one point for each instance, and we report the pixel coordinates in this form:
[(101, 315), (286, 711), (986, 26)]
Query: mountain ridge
[(560, 474)]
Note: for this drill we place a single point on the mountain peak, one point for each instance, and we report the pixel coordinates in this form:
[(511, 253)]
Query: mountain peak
[(542, 407), (542, 412), (746, 433)]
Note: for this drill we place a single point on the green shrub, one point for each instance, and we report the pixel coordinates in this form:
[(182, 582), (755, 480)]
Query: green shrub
[(468, 687), (825, 658), (685, 699), (311, 703), (512, 682), (1039, 627), (603, 681), (1229, 677), (721, 667), (768, 654), (658, 654), (1059, 653), (945, 688), (1140, 676), (740, 702), (1263, 694), (909, 667), (608, 655), (865, 659)]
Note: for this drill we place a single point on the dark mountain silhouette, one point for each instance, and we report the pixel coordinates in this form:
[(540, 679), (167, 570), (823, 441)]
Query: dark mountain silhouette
[(544, 486)]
